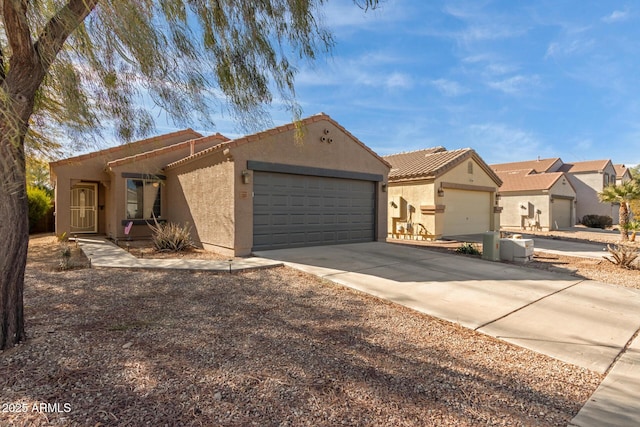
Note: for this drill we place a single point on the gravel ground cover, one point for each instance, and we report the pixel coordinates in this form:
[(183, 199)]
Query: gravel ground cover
[(268, 348)]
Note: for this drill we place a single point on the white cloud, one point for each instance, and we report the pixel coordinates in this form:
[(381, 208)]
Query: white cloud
[(499, 143), (616, 16), (449, 87), (572, 46), (515, 85), (398, 80)]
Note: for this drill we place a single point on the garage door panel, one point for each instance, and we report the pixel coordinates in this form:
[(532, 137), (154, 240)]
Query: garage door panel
[(561, 213), (466, 212), (295, 210)]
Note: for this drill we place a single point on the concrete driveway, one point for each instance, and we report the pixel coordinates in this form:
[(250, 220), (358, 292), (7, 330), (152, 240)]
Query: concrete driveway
[(586, 323)]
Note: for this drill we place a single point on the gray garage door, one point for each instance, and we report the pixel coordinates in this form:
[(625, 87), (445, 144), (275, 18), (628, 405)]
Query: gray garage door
[(298, 210)]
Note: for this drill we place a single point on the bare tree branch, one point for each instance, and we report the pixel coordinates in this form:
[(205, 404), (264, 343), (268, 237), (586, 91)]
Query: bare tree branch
[(58, 29)]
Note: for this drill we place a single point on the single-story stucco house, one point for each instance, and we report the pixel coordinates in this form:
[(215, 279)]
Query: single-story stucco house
[(303, 184), (437, 192), (538, 201)]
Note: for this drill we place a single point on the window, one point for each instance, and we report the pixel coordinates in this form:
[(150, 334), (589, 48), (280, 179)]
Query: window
[(143, 198), (470, 168), (606, 179)]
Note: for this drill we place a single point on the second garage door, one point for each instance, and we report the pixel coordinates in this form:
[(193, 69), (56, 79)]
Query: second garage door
[(466, 212), (561, 211), (292, 210)]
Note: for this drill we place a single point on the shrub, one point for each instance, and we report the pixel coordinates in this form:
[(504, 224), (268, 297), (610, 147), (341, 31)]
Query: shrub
[(597, 221), (469, 249), (622, 256), (39, 203), (171, 237)]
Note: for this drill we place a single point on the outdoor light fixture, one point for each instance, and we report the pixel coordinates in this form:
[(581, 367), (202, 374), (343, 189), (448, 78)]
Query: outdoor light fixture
[(384, 187), (246, 177), (440, 192)]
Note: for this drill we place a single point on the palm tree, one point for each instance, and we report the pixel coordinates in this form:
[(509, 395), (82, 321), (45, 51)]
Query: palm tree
[(622, 194)]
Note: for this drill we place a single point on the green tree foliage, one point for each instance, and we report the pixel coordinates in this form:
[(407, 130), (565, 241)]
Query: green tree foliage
[(39, 202), (75, 65), (623, 194)]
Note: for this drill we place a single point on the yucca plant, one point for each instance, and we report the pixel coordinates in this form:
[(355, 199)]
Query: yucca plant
[(622, 255), (171, 237)]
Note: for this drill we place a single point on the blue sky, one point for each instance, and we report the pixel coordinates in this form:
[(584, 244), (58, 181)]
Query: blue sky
[(512, 79)]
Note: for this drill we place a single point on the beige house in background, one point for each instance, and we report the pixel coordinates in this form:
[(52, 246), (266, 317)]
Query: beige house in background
[(435, 192), (623, 174), (587, 179), (537, 201), (304, 184)]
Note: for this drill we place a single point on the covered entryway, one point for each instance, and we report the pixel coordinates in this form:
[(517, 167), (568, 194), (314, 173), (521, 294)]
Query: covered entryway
[(294, 210), (466, 212), (561, 213), (84, 212)]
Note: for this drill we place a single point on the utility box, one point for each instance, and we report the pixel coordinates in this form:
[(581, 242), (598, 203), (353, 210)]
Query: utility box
[(491, 246), (517, 250)]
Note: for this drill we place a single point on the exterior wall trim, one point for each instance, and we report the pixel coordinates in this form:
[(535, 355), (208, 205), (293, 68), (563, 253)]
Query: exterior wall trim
[(469, 187), (431, 209), (559, 196), (142, 175), (306, 170)]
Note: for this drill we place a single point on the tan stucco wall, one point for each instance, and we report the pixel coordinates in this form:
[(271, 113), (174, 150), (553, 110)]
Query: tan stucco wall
[(201, 194), (209, 192), (343, 153), (512, 213), (409, 197), (111, 185), (423, 193)]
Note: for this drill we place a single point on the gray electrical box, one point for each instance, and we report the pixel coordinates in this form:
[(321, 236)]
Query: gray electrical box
[(517, 250), (491, 246)]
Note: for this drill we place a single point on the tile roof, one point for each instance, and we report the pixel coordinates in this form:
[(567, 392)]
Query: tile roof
[(540, 165), (588, 166), (620, 170), (274, 131), (136, 146), (431, 162), (528, 180), (180, 145)]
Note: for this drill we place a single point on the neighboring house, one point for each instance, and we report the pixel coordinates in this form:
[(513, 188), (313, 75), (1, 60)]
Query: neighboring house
[(587, 179), (303, 184), (436, 192), (623, 174), (538, 201)]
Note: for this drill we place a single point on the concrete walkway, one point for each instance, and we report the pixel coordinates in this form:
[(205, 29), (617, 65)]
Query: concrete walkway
[(103, 253), (586, 323)]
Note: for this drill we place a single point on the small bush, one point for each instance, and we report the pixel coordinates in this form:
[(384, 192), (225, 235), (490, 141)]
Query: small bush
[(597, 221), (39, 203), (468, 249), (622, 256), (171, 237)]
